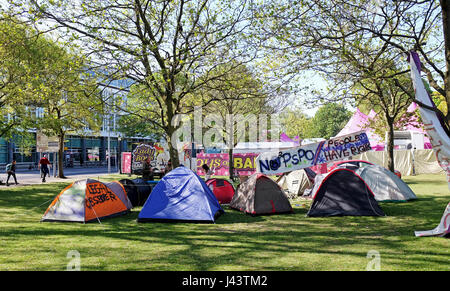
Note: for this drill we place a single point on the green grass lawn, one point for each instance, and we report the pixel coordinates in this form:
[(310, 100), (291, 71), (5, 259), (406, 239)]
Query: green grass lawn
[(235, 242)]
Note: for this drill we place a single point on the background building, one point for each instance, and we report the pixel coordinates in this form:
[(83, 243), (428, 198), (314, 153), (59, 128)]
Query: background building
[(87, 149)]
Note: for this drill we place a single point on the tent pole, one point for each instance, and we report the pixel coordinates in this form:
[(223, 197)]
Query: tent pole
[(98, 219)]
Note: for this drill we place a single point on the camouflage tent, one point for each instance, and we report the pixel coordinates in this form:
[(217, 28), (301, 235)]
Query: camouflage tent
[(259, 195)]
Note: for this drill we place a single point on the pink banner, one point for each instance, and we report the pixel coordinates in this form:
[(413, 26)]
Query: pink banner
[(126, 163), (244, 164)]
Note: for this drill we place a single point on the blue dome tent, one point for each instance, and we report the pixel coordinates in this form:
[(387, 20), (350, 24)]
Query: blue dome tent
[(181, 196)]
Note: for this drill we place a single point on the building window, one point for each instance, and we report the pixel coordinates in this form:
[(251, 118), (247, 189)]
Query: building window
[(3, 151)]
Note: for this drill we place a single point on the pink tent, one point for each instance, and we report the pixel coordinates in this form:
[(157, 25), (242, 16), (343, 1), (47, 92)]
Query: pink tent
[(372, 114), (414, 125), (285, 138), (360, 121)]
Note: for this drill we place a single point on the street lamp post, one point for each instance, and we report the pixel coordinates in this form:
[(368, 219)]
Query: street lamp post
[(109, 148), (119, 158)]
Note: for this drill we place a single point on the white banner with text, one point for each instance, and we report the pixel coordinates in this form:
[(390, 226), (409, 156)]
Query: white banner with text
[(335, 149)]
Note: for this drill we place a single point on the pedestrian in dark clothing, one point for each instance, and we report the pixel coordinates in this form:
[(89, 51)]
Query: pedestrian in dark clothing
[(147, 171), (11, 171), (207, 171), (44, 163), (168, 168)]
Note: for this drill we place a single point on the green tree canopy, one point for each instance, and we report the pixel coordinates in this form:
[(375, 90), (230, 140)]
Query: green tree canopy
[(329, 120), (164, 46), (295, 123), (20, 64), (67, 95)]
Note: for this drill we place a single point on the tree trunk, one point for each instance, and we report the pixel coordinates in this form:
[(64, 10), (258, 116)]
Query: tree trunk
[(170, 130), (390, 146), (445, 5), (61, 156), (173, 152)]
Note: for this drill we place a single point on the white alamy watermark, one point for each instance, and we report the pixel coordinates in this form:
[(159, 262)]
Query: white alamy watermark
[(374, 263), (74, 263), (224, 131)]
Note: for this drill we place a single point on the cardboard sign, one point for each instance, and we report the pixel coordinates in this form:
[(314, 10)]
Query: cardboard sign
[(335, 149), (46, 144)]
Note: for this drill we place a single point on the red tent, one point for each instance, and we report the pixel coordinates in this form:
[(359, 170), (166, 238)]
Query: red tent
[(222, 189)]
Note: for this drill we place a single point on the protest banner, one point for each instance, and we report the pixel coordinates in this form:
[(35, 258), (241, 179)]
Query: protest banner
[(434, 124), (335, 149), (140, 155), (439, 135), (244, 164), (142, 152)]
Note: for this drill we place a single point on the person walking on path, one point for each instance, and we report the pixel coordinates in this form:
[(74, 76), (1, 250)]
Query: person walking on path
[(44, 164), (11, 171)]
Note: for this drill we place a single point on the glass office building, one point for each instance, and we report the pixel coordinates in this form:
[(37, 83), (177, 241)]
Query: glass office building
[(89, 148)]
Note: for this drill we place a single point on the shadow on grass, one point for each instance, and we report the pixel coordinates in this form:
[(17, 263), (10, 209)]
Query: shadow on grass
[(236, 240), (30, 197), (424, 181), (193, 245)]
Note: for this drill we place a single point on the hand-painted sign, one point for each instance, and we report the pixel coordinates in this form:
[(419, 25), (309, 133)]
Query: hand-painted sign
[(244, 164), (98, 193), (142, 152), (335, 149)]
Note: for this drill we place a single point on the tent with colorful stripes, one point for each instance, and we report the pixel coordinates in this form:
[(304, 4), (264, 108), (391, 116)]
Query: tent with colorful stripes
[(88, 200)]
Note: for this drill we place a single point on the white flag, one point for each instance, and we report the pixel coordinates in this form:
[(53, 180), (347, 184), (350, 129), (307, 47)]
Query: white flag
[(433, 125)]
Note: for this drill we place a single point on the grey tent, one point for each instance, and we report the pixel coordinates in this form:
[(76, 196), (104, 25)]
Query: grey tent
[(259, 195), (309, 193), (385, 185), (343, 193), (295, 183)]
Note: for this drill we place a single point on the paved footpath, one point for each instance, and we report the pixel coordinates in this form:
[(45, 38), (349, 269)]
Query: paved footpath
[(33, 177)]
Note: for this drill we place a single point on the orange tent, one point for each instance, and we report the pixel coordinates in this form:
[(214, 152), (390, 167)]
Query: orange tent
[(88, 200)]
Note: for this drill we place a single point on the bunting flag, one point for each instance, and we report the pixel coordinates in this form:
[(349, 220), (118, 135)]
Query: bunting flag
[(438, 132)]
